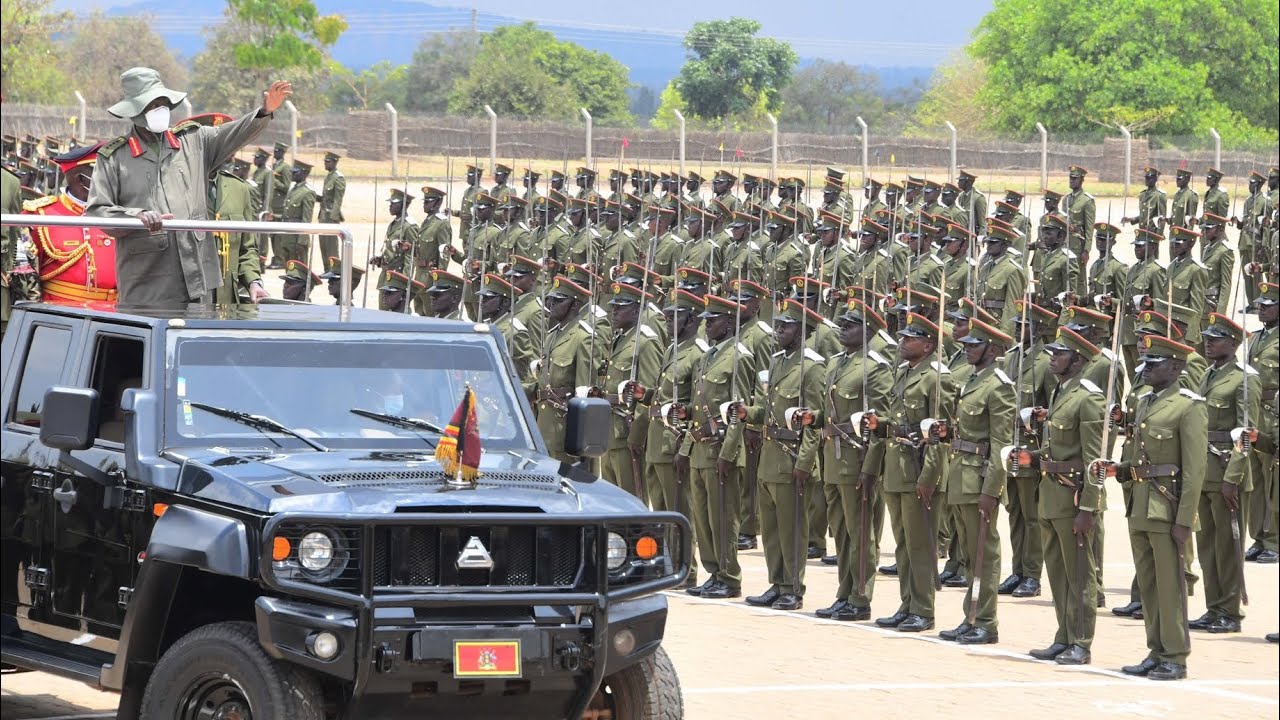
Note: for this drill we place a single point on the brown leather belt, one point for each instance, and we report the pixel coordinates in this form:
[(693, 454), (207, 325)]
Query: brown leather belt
[(704, 434), (781, 434), (1062, 467), (655, 411), (838, 430), (992, 304), (902, 431), (1154, 471), (973, 448), (1219, 436)]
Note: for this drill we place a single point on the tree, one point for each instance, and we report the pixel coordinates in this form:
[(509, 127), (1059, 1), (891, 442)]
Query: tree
[(93, 56), (644, 102), (1171, 68), (282, 35), (955, 96), (729, 68), (829, 97), (440, 61), (29, 68), (526, 72), (669, 102), (369, 89), (220, 84)]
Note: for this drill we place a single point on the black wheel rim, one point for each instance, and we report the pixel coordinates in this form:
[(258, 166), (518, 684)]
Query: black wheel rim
[(215, 697)]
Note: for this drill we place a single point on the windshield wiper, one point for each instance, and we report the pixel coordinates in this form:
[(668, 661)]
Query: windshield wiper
[(400, 421), (258, 422)]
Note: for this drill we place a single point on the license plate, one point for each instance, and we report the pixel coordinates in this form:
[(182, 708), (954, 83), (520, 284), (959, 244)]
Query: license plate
[(486, 658)]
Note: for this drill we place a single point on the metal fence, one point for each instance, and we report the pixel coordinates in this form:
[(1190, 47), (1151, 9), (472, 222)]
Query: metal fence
[(387, 135)]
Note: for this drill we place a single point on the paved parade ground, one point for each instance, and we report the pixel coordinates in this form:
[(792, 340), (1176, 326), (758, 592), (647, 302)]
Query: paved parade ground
[(738, 662)]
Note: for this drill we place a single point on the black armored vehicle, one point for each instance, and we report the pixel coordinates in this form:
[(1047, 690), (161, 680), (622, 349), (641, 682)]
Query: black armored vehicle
[(236, 512)]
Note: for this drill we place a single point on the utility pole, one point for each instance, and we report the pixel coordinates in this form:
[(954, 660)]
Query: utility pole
[(475, 25)]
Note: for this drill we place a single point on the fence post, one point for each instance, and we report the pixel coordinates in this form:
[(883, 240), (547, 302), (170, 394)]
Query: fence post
[(680, 117), (773, 146), (493, 137), (951, 170), (1217, 149), (587, 116), (1128, 156), (395, 139), (293, 129), (1044, 155), (83, 119), (865, 141)]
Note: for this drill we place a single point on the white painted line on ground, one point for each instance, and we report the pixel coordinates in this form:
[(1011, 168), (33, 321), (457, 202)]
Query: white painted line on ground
[(990, 685), (1206, 686)]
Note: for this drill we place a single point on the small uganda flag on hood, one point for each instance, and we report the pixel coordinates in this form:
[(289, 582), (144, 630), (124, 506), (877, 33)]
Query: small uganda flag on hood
[(458, 452)]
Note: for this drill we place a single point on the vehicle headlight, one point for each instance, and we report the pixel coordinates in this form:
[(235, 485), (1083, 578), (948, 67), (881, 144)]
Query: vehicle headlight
[(617, 551), (315, 552)]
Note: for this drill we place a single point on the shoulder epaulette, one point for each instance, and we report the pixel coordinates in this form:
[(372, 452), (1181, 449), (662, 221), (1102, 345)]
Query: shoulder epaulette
[(591, 329), (764, 326), (814, 355), (1070, 253), (648, 332), (185, 126), (1086, 194), (744, 350), (1248, 369), (1198, 263), (515, 323), (753, 246), (595, 310), (339, 173), (1014, 261), (1161, 264), (595, 232), (1106, 353), (1187, 393), (702, 344), (114, 145), (1089, 385), (628, 233), (828, 323), (884, 335), (884, 252), (34, 205), (780, 353), (877, 357), (1003, 378), (942, 369)]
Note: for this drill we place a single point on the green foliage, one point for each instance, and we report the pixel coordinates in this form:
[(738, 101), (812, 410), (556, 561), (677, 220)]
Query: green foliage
[(954, 95), (1167, 69), (728, 69), (669, 102), (29, 68), (440, 61), (370, 89), (220, 84), (828, 97), (93, 56), (283, 34), (522, 71)]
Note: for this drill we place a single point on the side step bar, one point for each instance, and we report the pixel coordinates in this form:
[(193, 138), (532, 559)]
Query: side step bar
[(82, 664)]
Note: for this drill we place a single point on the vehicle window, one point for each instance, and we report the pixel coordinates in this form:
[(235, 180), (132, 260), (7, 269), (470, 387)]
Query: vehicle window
[(117, 366), (45, 357), (311, 384)]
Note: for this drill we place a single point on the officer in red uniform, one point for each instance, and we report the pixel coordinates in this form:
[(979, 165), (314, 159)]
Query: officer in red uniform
[(76, 264)]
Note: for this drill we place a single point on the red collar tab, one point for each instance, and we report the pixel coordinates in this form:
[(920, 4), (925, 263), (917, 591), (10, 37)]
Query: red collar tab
[(173, 140), (135, 146)]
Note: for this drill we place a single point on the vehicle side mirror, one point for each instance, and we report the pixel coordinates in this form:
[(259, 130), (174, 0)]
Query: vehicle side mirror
[(69, 418), (587, 429)]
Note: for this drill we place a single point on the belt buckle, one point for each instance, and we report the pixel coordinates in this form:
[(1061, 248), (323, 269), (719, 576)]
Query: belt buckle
[(1133, 475)]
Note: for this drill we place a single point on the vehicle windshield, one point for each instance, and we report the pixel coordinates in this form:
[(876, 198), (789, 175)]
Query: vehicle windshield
[(308, 383)]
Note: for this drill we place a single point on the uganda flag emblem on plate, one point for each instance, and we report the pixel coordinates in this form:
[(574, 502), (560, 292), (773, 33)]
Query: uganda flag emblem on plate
[(486, 658)]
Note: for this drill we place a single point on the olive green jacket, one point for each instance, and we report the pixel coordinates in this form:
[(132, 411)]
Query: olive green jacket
[(715, 382), (1187, 276), (855, 383), (1227, 408), (238, 252), (919, 393), (1171, 429), (1072, 432), (675, 384), (984, 414), (335, 187), (791, 380), (639, 348)]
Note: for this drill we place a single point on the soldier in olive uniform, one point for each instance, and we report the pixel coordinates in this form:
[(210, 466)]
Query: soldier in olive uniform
[(497, 297), (500, 189), (1056, 265), (564, 367), (1184, 204), (1070, 497), (1227, 478), (1162, 472), (299, 207), (266, 189), (1219, 261), (1216, 200), (1081, 212), (299, 281), (1017, 219), (466, 210), (724, 377), (972, 202), (984, 417), (238, 252), (331, 195), (784, 258), (400, 236), (1106, 273), (858, 381), (633, 363), (1146, 278), (1001, 276), (956, 264), (788, 401), (435, 234), (444, 297), (743, 258), (1263, 353), (281, 176), (1186, 279), (758, 337), (1250, 224), (1153, 203), (913, 469)]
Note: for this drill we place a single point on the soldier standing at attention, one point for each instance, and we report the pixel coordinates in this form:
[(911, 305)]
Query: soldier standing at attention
[(913, 468), (1106, 274), (1070, 497), (435, 234), (445, 296), (725, 375), (564, 368), (299, 207), (400, 235), (260, 176), (1185, 202), (241, 264), (1219, 262), (633, 359), (1227, 479), (1080, 211), (1249, 222), (1186, 280), (858, 380), (1153, 203), (155, 266), (501, 189), (281, 175), (788, 403), (1001, 277), (335, 187), (466, 212), (984, 417), (1162, 472), (1216, 200), (1056, 264), (972, 202), (1147, 278), (1264, 355)]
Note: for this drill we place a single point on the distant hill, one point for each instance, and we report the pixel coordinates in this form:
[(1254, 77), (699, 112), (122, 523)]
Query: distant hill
[(391, 30)]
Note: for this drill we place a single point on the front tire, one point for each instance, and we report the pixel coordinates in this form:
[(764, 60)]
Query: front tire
[(221, 671), (648, 690)]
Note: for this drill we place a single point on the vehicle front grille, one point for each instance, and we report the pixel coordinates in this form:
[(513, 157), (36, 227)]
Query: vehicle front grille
[(541, 557), (434, 478)]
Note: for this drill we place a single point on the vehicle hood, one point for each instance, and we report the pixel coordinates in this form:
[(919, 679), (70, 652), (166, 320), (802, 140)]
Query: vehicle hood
[(389, 481)]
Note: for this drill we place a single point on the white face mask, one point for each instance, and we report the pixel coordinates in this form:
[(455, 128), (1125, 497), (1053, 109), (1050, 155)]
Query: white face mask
[(157, 119), (393, 404)]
